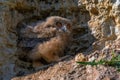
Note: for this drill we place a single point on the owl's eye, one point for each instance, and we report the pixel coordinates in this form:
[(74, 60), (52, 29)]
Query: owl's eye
[(59, 24), (68, 26)]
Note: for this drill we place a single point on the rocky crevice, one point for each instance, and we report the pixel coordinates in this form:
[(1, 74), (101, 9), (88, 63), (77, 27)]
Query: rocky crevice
[(96, 28)]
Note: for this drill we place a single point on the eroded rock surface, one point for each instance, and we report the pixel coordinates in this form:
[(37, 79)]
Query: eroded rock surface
[(93, 20)]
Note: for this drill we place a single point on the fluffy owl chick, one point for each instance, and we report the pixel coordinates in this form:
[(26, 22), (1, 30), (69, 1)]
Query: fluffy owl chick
[(49, 28), (53, 49), (50, 50)]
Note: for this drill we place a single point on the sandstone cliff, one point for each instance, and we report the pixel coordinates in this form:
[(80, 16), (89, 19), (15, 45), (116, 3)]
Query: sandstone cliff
[(96, 31)]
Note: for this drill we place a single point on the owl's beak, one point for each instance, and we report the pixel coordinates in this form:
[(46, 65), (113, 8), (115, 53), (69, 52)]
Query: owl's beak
[(64, 28)]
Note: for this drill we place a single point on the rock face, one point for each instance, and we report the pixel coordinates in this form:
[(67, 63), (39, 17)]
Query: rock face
[(92, 20), (102, 22)]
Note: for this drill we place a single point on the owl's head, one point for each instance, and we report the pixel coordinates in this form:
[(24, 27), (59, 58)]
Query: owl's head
[(64, 27)]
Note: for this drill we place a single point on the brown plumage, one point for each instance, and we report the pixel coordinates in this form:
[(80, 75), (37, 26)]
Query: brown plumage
[(59, 30), (49, 28)]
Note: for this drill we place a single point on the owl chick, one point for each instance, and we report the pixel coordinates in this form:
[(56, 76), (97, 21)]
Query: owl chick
[(51, 27), (59, 29)]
